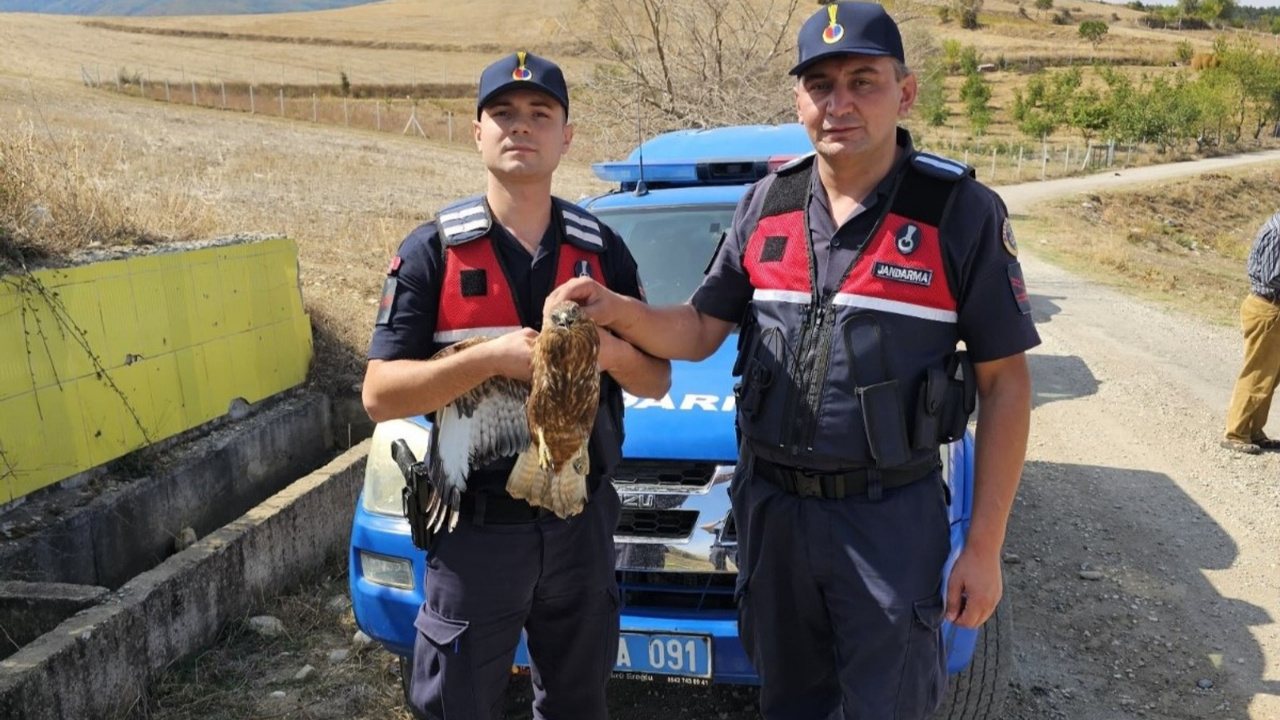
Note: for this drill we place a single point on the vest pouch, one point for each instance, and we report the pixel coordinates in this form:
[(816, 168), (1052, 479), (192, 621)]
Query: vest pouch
[(934, 390), (759, 371), (885, 421), (961, 398)]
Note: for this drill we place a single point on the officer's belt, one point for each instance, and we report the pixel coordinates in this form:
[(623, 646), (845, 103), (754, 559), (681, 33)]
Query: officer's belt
[(499, 508), (835, 486)]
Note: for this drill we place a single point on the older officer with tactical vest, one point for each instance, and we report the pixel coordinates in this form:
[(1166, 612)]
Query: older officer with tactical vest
[(855, 272), (484, 267)]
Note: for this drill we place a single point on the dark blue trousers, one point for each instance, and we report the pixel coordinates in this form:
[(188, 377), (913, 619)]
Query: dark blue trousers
[(839, 601), (552, 578)]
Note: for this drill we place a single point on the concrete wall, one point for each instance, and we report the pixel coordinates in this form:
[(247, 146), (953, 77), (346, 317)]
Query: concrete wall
[(99, 360), (132, 528), (95, 664)]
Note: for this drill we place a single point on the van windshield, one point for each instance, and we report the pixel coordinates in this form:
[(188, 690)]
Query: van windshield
[(671, 245)]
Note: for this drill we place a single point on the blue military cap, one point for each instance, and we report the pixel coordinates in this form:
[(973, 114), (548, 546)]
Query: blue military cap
[(522, 70), (848, 28)]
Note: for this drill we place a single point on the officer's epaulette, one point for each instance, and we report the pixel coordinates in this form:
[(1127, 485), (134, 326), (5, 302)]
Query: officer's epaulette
[(581, 228), (793, 165), (464, 220), (942, 168)]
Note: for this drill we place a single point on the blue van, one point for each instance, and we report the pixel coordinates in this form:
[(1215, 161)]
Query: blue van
[(676, 542)]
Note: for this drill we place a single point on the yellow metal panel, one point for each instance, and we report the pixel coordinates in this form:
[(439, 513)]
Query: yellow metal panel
[(169, 411), (137, 426), (222, 383), (153, 335), (22, 461), (100, 410), (15, 371), (64, 448), (180, 307), (206, 286), (119, 314), (73, 316), (237, 305), (244, 362), (193, 381)]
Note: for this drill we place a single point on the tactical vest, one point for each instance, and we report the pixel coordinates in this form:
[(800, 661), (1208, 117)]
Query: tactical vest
[(476, 298), (865, 376)]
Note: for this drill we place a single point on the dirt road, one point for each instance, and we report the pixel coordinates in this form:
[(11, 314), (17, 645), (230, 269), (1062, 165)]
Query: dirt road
[(1125, 476)]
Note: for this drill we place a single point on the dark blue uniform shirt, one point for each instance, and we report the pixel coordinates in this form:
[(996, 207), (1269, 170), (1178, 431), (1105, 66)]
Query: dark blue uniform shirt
[(990, 322)]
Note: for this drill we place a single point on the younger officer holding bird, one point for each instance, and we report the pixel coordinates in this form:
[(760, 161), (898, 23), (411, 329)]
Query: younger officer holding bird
[(483, 268)]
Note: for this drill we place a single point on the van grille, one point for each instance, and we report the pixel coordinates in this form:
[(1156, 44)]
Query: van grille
[(664, 476), (687, 591), (656, 524)]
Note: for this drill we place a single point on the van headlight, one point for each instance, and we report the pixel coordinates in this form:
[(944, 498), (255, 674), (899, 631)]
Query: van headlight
[(383, 481)]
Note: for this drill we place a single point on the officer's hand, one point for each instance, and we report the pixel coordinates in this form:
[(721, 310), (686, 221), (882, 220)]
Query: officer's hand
[(510, 353), (975, 587), (602, 304), (612, 350)]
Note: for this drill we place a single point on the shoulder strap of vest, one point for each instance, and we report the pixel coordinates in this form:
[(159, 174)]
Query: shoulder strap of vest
[(928, 187), (789, 189), (464, 221), (581, 228)]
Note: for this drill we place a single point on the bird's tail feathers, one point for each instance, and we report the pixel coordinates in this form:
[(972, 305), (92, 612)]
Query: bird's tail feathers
[(568, 488), (528, 481)]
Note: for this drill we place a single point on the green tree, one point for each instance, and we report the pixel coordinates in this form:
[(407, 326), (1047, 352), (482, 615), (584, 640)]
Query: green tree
[(1042, 5), (951, 53), (1184, 52), (969, 60), (1093, 31)]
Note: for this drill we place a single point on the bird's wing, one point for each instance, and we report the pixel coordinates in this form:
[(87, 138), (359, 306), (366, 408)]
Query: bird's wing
[(479, 427)]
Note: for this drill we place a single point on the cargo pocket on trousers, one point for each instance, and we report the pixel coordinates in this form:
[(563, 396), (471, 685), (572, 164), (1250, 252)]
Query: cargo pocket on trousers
[(923, 672), (439, 647)]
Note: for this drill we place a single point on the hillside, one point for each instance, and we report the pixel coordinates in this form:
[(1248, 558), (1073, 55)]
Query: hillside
[(170, 7)]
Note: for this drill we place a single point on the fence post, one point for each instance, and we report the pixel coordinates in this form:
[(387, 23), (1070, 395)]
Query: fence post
[(1066, 160), (1044, 156), (143, 82), (315, 109), (377, 114), (966, 156), (1084, 165), (224, 94), (167, 96), (251, 108), (282, 102), (1111, 152), (449, 116), (346, 117), (193, 92)]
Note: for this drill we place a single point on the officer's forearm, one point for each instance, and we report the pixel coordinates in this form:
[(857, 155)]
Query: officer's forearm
[(1000, 446), (405, 388), (678, 332), (641, 374)]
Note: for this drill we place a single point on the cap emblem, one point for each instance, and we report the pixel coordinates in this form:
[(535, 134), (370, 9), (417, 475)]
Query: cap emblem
[(521, 72), (834, 31)]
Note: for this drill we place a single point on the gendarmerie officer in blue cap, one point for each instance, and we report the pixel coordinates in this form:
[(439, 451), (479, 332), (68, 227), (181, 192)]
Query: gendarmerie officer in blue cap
[(855, 272), (483, 267)]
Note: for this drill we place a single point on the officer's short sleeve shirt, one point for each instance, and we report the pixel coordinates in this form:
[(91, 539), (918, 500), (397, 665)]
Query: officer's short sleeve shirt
[(993, 309)]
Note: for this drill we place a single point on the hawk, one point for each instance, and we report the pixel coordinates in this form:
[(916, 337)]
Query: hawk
[(547, 422)]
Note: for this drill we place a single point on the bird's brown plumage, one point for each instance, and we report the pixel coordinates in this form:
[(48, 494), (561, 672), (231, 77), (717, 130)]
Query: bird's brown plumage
[(561, 412)]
